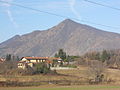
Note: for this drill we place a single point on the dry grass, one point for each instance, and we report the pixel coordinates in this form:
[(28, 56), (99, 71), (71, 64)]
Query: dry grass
[(114, 74), (78, 74), (72, 74)]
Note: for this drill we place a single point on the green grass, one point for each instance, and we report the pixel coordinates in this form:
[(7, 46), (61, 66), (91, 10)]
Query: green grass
[(68, 88)]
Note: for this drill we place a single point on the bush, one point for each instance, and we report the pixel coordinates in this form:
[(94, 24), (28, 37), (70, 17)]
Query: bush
[(42, 68)]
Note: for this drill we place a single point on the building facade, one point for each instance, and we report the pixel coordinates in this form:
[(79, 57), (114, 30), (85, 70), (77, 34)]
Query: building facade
[(31, 61)]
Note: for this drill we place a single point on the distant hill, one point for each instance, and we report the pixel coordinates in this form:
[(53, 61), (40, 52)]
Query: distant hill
[(74, 38)]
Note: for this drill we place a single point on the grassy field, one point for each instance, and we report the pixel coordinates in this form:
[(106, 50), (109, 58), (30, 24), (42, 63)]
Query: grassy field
[(78, 74), (74, 74), (84, 87)]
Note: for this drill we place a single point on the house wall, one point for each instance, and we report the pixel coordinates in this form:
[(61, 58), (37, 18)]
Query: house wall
[(21, 65), (30, 64), (24, 59), (33, 61)]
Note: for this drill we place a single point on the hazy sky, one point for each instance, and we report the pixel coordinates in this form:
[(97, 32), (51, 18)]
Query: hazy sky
[(16, 20)]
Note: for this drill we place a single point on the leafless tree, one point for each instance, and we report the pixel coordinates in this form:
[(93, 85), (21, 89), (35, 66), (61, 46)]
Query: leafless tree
[(7, 66), (96, 71), (117, 61)]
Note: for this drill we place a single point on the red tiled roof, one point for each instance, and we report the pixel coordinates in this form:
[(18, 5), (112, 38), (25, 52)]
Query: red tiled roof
[(47, 59), (34, 58), (57, 58)]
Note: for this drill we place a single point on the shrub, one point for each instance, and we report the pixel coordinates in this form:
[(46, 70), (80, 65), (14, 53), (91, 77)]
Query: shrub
[(42, 68)]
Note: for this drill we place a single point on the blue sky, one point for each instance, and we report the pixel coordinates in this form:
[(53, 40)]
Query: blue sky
[(16, 20)]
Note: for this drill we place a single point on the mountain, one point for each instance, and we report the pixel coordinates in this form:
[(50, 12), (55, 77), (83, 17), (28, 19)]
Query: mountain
[(74, 38)]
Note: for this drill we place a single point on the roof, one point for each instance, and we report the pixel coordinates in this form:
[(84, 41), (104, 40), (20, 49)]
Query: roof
[(34, 58), (54, 58), (47, 59)]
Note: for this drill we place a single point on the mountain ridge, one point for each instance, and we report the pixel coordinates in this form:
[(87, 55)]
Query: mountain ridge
[(74, 38)]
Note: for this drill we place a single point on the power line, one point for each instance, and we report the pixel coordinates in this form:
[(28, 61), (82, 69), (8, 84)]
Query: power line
[(58, 15), (100, 24), (108, 6), (32, 9)]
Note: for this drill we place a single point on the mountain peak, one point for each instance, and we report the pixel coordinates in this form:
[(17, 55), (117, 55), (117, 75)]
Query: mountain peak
[(68, 21)]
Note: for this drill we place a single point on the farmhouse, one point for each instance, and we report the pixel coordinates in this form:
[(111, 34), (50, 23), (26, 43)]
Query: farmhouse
[(31, 61)]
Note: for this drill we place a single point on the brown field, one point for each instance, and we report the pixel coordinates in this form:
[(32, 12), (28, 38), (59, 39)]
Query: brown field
[(72, 74), (78, 74)]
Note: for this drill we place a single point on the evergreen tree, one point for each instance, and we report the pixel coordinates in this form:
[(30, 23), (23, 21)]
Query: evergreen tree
[(61, 54), (105, 56), (97, 56), (56, 55), (8, 57), (17, 58)]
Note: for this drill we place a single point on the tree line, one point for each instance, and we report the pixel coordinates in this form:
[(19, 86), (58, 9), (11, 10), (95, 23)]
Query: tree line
[(109, 57)]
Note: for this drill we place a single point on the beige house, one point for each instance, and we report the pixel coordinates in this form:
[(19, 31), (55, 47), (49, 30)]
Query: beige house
[(31, 61)]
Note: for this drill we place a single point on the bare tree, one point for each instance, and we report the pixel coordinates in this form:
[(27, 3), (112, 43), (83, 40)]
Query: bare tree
[(117, 61), (96, 71), (114, 62), (7, 66)]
